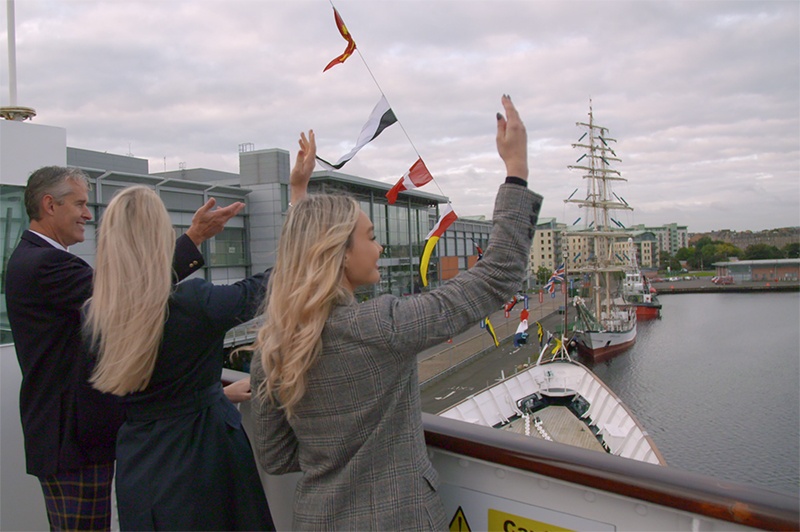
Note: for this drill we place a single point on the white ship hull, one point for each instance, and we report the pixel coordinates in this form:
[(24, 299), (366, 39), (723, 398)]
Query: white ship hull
[(519, 403), (602, 345), (613, 333)]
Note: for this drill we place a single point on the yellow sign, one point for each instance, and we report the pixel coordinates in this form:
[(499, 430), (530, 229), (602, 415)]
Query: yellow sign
[(504, 522), (459, 522)]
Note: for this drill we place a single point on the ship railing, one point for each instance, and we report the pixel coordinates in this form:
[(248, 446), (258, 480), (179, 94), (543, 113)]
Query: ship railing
[(491, 472), (681, 500), (484, 468), (485, 473)]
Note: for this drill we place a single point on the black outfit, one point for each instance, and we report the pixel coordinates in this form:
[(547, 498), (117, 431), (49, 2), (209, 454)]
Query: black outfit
[(183, 459), (62, 417)]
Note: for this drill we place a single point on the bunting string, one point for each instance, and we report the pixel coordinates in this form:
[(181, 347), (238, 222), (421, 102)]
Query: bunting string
[(352, 47), (383, 116)]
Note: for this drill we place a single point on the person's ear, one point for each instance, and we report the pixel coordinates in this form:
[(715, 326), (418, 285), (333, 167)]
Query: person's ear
[(48, 204)]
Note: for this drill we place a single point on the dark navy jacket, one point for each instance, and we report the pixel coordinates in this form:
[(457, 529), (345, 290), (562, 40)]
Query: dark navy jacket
[(183, 459), (61, 416)]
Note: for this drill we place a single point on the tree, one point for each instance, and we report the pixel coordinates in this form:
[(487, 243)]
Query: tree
[(725, 251), (705, 253), (686, 253), (791, 251), (668, 261), (543, 275), (762, 252), (704, 241), (720, 252), (691, 255)]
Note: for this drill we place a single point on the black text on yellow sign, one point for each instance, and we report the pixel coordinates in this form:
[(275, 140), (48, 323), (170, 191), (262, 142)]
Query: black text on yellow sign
[(503, 522)]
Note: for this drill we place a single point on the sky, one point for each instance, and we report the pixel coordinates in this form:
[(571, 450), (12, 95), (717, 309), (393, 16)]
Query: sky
[(702, 97)]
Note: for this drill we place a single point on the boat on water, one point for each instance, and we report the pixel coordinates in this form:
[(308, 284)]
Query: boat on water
[(605, 325), (608, 335), (639, 293), (559, 399)]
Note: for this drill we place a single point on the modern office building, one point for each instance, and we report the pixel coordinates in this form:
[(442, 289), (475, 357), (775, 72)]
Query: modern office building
[(249, 241)]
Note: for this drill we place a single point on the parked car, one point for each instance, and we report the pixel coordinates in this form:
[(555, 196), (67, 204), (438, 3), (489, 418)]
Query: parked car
[(723, 279)]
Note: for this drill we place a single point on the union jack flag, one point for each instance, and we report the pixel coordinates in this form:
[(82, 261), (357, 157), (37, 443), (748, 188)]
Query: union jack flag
[(557, 277)]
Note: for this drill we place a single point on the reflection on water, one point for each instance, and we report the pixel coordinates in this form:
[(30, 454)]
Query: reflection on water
[(716, 382)]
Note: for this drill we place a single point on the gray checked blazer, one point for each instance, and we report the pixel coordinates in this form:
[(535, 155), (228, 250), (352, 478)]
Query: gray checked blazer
[(357, 434)]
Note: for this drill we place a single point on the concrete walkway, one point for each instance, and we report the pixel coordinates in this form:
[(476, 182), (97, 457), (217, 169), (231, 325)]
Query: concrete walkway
[(445, 358)]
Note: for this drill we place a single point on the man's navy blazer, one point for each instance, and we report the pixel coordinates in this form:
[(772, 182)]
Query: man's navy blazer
[(46, 288)]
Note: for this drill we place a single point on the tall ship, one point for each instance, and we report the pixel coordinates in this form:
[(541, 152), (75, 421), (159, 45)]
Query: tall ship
[(605, 325)]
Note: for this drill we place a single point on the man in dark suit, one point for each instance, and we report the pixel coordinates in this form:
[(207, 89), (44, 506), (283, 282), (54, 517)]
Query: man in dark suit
[(69, 428)]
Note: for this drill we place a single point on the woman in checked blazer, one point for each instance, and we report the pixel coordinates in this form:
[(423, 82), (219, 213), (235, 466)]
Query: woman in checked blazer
[(338, 392)]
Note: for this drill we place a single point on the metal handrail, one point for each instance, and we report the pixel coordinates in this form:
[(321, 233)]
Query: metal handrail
[(666, 486)]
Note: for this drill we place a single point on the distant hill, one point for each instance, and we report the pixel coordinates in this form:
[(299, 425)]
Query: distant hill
[(741, 239)]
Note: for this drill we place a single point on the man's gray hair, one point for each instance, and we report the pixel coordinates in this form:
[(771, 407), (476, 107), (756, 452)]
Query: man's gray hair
[(52, 180)]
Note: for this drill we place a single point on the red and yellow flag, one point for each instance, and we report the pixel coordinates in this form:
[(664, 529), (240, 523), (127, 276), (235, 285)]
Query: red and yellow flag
[(351, 44), (448, 217)]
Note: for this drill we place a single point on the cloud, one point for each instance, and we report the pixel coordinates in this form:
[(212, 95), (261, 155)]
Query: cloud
[(702, 97)]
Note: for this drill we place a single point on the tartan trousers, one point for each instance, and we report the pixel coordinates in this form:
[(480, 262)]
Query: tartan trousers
[(79, 499)]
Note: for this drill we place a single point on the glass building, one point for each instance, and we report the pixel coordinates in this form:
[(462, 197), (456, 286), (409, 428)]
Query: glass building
[(249, 241), (400, 228)]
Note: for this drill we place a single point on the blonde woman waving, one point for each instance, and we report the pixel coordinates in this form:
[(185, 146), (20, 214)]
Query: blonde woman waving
[(338, 391), (184, 461)]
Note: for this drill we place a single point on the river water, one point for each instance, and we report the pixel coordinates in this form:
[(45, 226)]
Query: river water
[(716, 382)]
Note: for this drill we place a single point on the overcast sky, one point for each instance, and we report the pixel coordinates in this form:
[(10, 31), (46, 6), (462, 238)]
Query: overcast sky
[(703, 97)]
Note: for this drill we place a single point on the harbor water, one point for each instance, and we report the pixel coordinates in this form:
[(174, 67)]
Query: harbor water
[(716, 382)]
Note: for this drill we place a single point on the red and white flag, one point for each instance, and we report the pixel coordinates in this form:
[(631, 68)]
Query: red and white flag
[(416, 176)]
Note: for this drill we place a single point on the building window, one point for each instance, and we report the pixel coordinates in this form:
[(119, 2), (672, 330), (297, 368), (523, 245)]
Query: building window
[(13, 222), (227, 248), (398, 245), (178, 201), (108, 191), (284, 197)]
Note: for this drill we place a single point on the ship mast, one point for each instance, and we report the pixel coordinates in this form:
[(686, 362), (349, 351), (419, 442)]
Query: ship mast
[(599, 202)]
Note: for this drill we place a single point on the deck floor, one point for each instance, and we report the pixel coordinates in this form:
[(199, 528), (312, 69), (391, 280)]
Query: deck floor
[(562, 426)]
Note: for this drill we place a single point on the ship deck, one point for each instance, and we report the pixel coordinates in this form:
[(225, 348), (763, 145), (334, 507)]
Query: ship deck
[(561, 425)]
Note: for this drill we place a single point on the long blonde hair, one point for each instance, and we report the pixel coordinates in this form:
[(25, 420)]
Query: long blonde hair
[(304, 286), (132, 285)]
